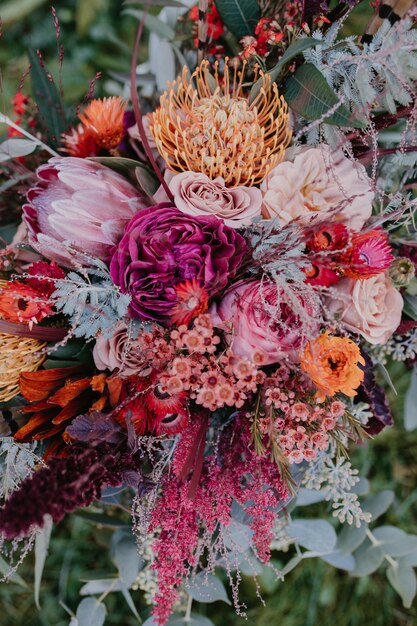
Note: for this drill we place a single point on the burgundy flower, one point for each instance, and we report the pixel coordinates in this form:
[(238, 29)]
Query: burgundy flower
[(162, 247)]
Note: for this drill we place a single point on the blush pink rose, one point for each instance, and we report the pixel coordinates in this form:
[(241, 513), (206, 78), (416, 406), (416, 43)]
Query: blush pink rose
[(369, 307), (196, 194), (318, 182), (257, 321), (118, 352)]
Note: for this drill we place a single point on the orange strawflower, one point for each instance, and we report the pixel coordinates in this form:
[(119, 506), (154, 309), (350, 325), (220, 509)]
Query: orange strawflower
[(103, 120), (208, 123), (332, 365), (22, 304)]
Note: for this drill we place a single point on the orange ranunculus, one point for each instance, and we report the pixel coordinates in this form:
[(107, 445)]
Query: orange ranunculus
[(332, 364)]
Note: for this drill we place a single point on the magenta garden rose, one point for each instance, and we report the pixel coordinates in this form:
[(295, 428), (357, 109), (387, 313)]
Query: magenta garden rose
[(162, 248), (260, 323), (78, 205)]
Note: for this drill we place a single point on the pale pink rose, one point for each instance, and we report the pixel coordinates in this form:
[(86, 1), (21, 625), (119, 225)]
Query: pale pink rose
[(196, 194), (255, 322), (318, 182), (370, 307), (118, 352)]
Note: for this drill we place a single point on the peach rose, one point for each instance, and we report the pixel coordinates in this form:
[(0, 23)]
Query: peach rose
[(318, 181), (369, 307), (118, 352), (196, 194)]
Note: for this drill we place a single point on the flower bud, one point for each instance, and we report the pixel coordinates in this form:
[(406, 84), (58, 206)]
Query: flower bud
[(401, 272)]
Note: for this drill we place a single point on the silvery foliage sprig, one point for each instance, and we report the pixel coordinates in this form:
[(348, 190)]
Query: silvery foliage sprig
[(91, 300), (375, 74), (17, 462), (336, 478)]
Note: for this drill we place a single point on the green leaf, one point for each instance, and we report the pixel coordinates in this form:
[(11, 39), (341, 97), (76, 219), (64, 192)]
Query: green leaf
[(16, 147), (90, 612), (14, 578), (240, 16), (207, 588), (47, 98), (291, 52), (157, 3), (152, 23), (101, 519), (176, 620), (403, 579), (309, 95), (41, 551), (120, 165), (345, 562), (147, 181)]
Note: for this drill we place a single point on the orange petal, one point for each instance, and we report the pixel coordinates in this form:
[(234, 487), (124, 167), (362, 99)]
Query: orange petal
[(26, 432), (98, 382), (99, 404), (114, 385), (35, 386), (69, 391), (75, 407)]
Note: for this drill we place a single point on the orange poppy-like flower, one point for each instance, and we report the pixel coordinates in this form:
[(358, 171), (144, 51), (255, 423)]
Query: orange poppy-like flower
[(103, 120), (78, 142), (58, 396), (22, 304), (332, 363), (207, 123)]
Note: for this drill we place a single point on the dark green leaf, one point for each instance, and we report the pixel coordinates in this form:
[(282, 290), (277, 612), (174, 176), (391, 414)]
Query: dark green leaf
[(240, 16), (101, 520), (309, 95), (119, 164), (147, 181), (47, 98), (291, 52)]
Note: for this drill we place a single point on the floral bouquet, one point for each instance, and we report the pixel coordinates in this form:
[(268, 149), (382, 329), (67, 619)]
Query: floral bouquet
[(201, 302)]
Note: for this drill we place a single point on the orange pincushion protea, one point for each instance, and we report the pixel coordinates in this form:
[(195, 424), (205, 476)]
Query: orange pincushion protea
[(103, 120), (332, 364), (217, 130)]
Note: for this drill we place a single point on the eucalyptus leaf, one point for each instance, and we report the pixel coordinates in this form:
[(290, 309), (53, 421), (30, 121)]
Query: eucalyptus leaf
[(16, 147), (152, 23), (41, 551), (125, 556), (350, 538), (345, 562), (394, 541), (176, 620), (316, 535), (237, 536), (103, 585), (403, 579), (47, 99), (14, 578), (240, 16), (368, 558), (377, 504), (125, 592), (308, 94), (207, 588), (90, 612), (306, 497), (291, 565), (409, 559), (410, 403)]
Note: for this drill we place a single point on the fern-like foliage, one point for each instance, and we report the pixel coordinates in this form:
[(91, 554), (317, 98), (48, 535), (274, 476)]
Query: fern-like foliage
[(379, 74), (91, 301), (17, 461)]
